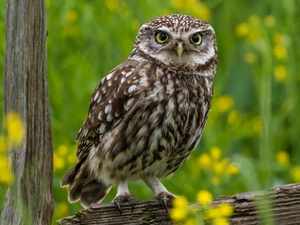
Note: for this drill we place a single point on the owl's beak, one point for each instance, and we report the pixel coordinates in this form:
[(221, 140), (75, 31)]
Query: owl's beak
[(179, 48)]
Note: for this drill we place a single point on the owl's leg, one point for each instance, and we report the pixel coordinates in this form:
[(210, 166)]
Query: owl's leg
[(123, 195), (161, 193)]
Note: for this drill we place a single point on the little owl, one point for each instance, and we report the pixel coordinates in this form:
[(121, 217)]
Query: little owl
[(146, 115)]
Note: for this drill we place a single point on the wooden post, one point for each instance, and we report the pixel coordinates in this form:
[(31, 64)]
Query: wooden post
[(29, 199), (249, 208)]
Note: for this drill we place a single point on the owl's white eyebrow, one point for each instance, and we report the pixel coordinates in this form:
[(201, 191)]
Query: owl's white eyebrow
[(165, 29)]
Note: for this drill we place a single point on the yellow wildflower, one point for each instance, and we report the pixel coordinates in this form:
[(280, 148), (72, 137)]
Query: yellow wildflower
[(280, 73), (201, 11), (242, 30), (72, 159), (280, 38), (111, 4), (212, 213), (232, 169), (215, 153), (178, 4), (62, 150), (15, 130), (204, 160), (191, 2), (254, 35), (62, 209), (223, 103), (204, 197), (296, 174), (177, 214), (72, 16), (270, 20), (222, 211), (190, 222), (179, 210), (218, 168), (234, 118), (282, 158), (280, 52), (224, 162), (250, 58), (225, 210), (180, 202), (6, 174), (221, 221), (58, 162)]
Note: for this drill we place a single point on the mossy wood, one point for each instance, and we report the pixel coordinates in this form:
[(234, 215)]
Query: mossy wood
[(280, 205)]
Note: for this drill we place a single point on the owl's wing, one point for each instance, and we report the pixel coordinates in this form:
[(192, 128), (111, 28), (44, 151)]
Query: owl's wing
[(113, 97)]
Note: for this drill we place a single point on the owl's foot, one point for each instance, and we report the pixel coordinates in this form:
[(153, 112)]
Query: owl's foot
[(165, 198), (161, 193), (118, 200), (123, 195)]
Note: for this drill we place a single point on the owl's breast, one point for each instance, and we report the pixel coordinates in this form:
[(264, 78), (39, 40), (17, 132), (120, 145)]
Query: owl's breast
[(159, 133), (192, 99)]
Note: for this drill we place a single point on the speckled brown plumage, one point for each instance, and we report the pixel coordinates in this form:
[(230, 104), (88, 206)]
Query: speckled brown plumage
[(147, 114)]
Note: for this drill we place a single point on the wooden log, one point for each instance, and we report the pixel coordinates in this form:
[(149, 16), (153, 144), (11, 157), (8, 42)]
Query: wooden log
[(29, 199), (279, 205)]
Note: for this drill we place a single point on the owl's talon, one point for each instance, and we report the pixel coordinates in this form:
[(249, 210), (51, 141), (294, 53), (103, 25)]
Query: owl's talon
[(118, 205), (132, 200), (164, 201), (124, 197)]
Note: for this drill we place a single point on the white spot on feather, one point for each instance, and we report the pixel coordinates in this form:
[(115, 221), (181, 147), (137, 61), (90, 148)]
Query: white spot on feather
[(171, 105), (102, 128), (129, 73), (107, 108), (100, 116), (109, 118), (130, 102), (109, 76), (131, 89), (99, 98), (122, 80), (96, 96)]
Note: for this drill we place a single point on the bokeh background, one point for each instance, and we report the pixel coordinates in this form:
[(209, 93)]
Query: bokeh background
[(251, 140)]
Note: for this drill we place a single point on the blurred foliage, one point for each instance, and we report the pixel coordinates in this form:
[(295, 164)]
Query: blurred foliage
[(254, 119)]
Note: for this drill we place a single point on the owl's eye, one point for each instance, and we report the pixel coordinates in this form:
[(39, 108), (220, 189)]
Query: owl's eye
[(196, 39), (161, 37)]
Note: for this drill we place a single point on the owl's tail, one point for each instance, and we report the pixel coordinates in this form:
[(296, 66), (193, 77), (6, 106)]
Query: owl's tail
[(82, 187)]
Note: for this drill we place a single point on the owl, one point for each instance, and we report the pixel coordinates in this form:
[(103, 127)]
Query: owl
[(146, 115)]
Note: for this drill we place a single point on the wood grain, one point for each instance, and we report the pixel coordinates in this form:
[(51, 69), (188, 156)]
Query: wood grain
[(280, 206), (29, 199)]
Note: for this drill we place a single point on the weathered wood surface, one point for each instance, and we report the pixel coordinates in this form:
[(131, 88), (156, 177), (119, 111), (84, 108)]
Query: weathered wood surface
[(284, 202), (29, 199)]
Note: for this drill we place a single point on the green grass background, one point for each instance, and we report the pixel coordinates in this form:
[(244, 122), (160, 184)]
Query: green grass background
[(254, 119)]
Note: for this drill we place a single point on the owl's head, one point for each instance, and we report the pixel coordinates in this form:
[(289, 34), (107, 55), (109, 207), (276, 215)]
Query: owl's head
[(180, 42)]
